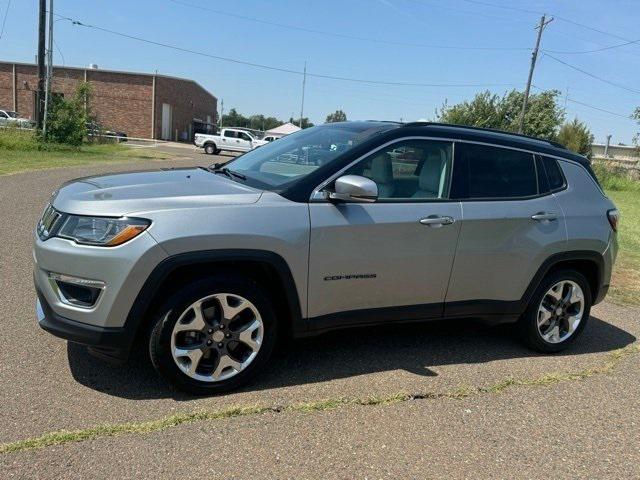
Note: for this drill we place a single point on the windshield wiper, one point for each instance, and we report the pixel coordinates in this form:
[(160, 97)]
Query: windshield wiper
[(228, 173)]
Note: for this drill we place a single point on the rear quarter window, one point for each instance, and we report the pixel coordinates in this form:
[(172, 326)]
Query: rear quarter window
[(554, 174)]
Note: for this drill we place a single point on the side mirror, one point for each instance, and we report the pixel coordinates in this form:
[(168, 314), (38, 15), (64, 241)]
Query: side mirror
[(354, 188)]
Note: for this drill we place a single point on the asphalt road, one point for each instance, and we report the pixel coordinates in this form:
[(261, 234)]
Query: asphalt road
[(573, 415)]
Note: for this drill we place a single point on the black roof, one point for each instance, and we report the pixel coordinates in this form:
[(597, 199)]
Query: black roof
[(498, 137)]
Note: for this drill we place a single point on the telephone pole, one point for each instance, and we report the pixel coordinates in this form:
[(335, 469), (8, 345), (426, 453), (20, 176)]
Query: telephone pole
[(534, 56), (42, 25), (49, 79), (304, 83)]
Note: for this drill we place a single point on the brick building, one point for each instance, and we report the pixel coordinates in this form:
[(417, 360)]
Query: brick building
[(142, 105)]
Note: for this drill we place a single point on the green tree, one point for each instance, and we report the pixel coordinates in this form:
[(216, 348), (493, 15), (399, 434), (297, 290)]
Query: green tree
[(576, 136), (543, 116), (67, 118), (234, 119), (306, 123), (337, 116)]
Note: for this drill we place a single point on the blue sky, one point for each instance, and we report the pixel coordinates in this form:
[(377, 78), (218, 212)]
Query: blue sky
[(412, 24)]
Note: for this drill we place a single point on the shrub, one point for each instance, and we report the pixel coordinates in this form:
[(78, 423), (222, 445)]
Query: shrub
[(614, 178), (67, 119), (576, 136)]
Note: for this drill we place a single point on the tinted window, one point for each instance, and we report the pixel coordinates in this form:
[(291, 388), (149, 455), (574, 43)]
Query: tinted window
[(554, 174), (230, 133), (492, 172), (416, 169), (244, 136)]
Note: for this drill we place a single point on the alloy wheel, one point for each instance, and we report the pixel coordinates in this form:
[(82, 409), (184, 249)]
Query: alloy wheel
[(560, 311), (217, 337)]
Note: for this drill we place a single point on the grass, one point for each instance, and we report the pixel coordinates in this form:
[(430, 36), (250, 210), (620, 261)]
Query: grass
[(73, 436), (21, 151), (625, 193)]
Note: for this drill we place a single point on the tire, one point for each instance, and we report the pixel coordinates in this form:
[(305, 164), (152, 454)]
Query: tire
[(569, 318), (213, 372), (210, 149)]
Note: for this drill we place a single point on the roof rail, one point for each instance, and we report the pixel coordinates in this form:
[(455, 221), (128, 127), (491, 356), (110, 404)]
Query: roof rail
[(482, 129)]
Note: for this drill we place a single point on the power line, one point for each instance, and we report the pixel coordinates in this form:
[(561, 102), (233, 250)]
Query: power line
[(4, 20), (342, 35), (610, 47), (505, 7), (598, 108), (593, 29), (557, 17), (629, 89), (279, 69)]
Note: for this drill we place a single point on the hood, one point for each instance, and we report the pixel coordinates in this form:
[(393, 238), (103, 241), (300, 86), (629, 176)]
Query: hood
[(125, 193)]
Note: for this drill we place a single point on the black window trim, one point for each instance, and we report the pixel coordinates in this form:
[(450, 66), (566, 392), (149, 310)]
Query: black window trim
[(318, 197)]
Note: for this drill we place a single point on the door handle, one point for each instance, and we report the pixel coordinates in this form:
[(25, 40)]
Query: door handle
[(544, 216), (436, 221)]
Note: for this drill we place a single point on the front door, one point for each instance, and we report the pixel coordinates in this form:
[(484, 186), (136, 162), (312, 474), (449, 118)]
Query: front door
[(244, 142), (368, 259), (166, 121)]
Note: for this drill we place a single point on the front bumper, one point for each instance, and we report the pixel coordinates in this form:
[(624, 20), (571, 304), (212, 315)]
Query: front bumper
[(110, 343), (106, 326)]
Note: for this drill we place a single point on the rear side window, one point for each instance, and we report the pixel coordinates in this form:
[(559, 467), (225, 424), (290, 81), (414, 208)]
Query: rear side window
[(485, 172), (554, 173), (230, 133)]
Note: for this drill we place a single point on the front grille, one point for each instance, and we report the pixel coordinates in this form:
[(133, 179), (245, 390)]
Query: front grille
[(48, 222)]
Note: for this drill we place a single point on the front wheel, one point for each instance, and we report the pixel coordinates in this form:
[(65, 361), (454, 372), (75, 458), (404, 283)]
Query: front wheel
[(558, 311), (210, 149), (213, 335)]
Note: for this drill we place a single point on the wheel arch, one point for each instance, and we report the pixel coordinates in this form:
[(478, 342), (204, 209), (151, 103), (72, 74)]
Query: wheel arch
[(589, 263), (267, 268)]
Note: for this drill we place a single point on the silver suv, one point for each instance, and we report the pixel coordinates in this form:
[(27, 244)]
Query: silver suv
[(341, 225)]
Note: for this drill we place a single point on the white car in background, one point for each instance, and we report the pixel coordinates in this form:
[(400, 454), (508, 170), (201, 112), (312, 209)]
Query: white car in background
[(9, 117), (229, 139)]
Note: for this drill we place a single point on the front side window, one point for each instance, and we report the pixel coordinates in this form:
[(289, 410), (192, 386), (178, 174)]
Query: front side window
[(244, 136), (483, 172), (413, 169)]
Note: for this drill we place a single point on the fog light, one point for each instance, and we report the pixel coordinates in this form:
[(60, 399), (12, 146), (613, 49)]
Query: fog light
[(79, 292)]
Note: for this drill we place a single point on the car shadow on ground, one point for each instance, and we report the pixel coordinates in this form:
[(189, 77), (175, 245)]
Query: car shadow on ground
[(415, 348)]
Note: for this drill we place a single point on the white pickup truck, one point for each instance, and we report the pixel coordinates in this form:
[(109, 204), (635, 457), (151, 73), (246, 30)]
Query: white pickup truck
[(230, 139)]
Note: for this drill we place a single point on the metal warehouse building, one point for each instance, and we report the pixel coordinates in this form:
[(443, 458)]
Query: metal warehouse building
[(139, 104)]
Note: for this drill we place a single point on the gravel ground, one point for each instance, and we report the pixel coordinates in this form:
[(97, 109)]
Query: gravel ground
[(573, 429)]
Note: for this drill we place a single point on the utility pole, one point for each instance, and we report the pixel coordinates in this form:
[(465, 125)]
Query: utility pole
[(304, 83), (49, 79), (221, 111), (534, 56), (42, 25)]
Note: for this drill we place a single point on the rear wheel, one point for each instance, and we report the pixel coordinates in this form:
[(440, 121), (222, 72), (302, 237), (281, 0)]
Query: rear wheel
[(213, 335), (558, 311), (210, 149)]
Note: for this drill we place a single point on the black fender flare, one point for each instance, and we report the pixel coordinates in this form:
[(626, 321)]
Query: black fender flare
[(142, 303)]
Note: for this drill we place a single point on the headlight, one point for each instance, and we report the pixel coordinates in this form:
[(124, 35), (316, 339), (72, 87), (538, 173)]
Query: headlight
[(106, 232)]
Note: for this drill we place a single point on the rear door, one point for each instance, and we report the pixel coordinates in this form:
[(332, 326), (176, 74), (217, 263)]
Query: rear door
[(388, 260), (510, 225), (230, 140)]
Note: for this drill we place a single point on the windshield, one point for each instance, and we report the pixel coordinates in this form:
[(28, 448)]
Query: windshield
[(292, 157)]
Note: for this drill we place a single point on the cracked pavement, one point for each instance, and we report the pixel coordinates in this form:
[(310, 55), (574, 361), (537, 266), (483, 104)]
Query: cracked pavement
[(576, 429)]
